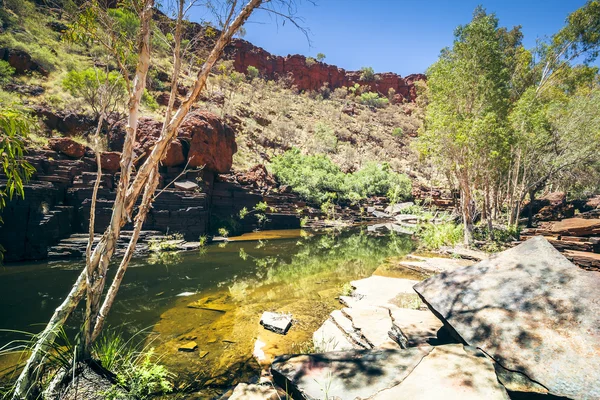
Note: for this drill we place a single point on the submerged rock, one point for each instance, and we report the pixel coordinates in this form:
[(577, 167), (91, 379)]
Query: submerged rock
[(276, 322), (530, 309), (188, 347)]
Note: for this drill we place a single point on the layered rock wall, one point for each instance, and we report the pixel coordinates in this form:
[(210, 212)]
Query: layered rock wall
[(313, 75)]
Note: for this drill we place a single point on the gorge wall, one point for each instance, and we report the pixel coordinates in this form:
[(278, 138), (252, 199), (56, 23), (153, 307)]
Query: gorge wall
[(313, 75)]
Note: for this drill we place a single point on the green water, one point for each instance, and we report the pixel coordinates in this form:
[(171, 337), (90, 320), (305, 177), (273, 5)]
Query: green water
[(302, 275)]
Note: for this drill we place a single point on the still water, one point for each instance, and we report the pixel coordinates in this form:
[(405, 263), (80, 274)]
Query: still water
[(214, 296)]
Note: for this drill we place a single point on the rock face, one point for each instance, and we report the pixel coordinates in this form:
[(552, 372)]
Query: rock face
[(312, 76), (21, 61), (203, 139), (530, 309), (68, 147)]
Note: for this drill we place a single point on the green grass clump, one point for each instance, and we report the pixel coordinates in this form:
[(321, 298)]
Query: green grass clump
[(434, 236), (317, 179)]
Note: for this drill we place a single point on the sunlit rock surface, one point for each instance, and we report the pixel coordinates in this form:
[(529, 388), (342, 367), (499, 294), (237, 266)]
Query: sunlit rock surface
[(533, 311)]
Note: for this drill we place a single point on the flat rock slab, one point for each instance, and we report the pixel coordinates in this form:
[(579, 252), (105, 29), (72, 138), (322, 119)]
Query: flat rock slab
[(186, 185), (576, 227), (396, 208), (345, 325), (463, 252), (436, 265), (188, 347), (347, 375), (532, 310), (276, 322), (374, 323), (412, 328), (449, 372), (329, 337), (244, 391), (377, 290)]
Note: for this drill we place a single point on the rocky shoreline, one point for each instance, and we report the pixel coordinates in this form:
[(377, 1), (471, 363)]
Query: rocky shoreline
[(493, 328)]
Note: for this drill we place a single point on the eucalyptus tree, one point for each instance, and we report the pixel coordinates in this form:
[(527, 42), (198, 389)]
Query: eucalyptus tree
[(143, 183), (465, 128)]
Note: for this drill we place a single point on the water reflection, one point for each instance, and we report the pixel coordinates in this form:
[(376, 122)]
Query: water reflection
[(302, 277), (300, 273)]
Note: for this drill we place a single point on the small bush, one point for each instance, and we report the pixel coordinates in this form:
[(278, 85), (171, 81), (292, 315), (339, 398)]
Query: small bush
[(149, 101), (310, 61), (367, 74), (372, 99), (86, 84), (6, 72), (320, 57), (398, 132), (434, 236), (252, 72)]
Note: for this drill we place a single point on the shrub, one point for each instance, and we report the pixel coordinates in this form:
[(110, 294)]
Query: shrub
[(434, 236), (252, 72), (320, 57), (325, 140), (317, 179), (367, 74), (398, 132), (378, 180), (6, 72), (310, 61), (149, 101), (372, 99), (87, 84)]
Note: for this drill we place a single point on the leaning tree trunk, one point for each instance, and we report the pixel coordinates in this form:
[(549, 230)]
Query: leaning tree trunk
[(121, 212)]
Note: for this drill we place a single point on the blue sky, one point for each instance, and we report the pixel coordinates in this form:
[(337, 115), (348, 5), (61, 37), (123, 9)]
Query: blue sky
[(402, 36)]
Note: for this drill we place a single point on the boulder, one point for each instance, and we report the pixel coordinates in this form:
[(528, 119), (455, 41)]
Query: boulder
[(21, 61), (212, 143), (530, 309), (110, 161), (174, 155), (203, 139), (68, 147)]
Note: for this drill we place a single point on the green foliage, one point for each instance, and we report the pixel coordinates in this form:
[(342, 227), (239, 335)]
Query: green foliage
[(135, 365), (372, 99), (97, 88), (398, 132), (498, 239), (317, 179), (223, 232), (166, 243), (15, 127), (310, 61), (321, 57), (324, 139), (149, 101), (252, 72), (367, 74), (6, 72), (433, 236)]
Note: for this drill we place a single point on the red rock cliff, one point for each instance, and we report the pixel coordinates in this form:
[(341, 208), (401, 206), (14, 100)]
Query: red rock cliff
[(312, 77)]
